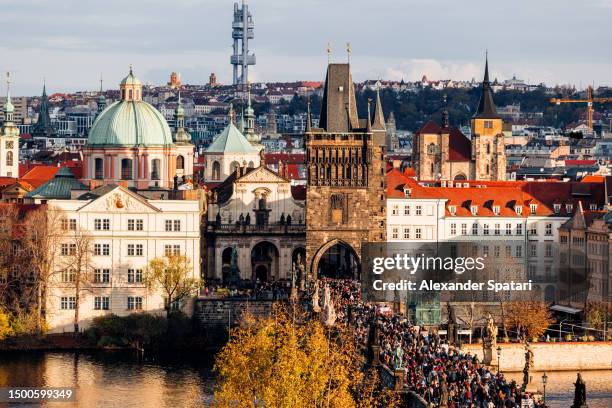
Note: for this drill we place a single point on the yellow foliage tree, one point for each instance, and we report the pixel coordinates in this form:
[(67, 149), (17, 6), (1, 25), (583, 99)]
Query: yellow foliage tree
[(280, 362), (5, 325), (530, 318)]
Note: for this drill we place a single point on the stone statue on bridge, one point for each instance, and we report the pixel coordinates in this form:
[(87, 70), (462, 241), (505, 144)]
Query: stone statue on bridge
[(579, 393), (398, 357), (315, 298), (329, 313)]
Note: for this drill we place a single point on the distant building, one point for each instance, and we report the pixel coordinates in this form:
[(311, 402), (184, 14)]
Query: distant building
[(175, 80), (445, 153)]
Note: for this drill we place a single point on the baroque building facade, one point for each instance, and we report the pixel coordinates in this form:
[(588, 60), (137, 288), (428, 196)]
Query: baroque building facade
[(255, 216), (442, 152), (346, 185), (131, 143)]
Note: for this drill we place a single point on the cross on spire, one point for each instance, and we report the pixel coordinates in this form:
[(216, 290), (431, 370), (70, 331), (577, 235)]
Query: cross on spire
[(329, 52)]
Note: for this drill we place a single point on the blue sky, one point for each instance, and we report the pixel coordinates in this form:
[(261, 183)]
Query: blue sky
[(72, 42)]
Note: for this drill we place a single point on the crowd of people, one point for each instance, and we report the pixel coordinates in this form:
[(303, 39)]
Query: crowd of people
[(433, 369)]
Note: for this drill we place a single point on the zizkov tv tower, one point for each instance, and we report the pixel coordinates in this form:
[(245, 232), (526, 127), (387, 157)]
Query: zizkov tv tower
[(242, 32)]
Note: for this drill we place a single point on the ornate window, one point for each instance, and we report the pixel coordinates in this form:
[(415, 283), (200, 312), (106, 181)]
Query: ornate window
[(180, 163), (9, 158)]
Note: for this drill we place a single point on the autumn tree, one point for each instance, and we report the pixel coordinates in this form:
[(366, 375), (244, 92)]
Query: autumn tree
[(41, 235), (171, 275), (281, 361), (529, 318), (77, 268)]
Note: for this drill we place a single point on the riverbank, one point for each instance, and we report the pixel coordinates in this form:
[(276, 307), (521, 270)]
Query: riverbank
[(63, 341)]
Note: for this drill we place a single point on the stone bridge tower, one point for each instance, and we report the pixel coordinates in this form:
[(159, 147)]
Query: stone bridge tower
[(346, 194)]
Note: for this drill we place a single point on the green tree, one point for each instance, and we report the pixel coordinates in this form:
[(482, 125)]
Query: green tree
[(171, 275)]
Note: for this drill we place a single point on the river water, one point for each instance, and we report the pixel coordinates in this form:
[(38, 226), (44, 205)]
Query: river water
[(126, 379)]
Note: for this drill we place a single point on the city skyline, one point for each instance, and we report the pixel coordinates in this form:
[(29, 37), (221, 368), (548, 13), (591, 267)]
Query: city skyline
[(71, 44)]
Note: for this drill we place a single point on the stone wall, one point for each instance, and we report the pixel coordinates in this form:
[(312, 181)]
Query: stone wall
[(553, 356), (214, 316)]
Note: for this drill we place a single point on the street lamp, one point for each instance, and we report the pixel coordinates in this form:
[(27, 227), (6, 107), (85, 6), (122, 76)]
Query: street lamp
[(544, 380), (498, 357)]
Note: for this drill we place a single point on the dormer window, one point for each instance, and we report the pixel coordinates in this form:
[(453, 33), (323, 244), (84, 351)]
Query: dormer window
[(407, 192), (569, 208), (443, 183), (533, 208), (466, 185), (496, 209), (474, 209), (452, 209), (557, 208), (518, 209)]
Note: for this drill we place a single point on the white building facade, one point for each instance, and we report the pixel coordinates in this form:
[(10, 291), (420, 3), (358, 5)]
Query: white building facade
[(127, 231)]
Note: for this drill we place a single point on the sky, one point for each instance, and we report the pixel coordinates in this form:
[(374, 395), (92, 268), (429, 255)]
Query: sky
[(70, 43)]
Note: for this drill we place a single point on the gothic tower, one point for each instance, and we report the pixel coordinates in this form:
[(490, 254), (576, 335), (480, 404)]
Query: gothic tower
[(346, 188), (488, 147), (9, 138), (43, 126)]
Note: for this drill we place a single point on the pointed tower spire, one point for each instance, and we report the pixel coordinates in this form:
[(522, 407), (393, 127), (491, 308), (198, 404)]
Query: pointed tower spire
[(101, 99), (308, 119), (486, 106), (379, 117), (9, 109), (181, 135)]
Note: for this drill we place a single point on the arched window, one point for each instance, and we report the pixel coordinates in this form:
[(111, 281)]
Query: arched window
[(99, 168), (9, 158), (488, 148), (180, 163), (155, 166), (123, 94), (131, 94), (234, 166), (431, 149), (263, 203), (216, 170), (488, 169), (126, 169), (251, 164)]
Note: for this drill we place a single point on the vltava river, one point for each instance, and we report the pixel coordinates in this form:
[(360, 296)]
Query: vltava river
[(123, 379), (112, 379)]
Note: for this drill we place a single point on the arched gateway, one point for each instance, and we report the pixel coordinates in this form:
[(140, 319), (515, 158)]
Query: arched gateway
[(337, 260)]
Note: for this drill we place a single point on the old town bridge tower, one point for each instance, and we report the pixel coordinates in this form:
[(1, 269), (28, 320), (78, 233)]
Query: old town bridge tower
[(346, 194)]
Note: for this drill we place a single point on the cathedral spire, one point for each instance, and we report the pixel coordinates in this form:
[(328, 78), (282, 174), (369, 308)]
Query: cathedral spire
[(379, 117), (486, 106)]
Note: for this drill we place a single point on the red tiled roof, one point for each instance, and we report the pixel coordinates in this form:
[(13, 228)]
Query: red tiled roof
[(429, 127), (505, 194), (580, 162), (39, 175), (7, 181), (296, 158), (459, 146), (593, 179)]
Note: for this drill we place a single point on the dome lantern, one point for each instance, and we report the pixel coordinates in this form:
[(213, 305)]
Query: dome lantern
[(131, 88)]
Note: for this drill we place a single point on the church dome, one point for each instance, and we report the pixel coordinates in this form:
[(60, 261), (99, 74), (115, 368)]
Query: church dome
[(130, 121)]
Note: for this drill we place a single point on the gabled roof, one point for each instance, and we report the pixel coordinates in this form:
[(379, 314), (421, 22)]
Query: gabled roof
[(104, 190), (231, 141), (59, 187)]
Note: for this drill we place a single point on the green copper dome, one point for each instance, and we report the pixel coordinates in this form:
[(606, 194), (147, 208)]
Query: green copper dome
[(130, 123)]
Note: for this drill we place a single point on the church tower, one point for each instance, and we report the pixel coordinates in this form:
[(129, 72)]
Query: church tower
[(488, 146), (182, 140), (346, 186), (43, 126), (9, 138)]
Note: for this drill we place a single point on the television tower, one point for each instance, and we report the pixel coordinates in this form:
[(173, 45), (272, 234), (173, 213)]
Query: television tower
[(242, 32)]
